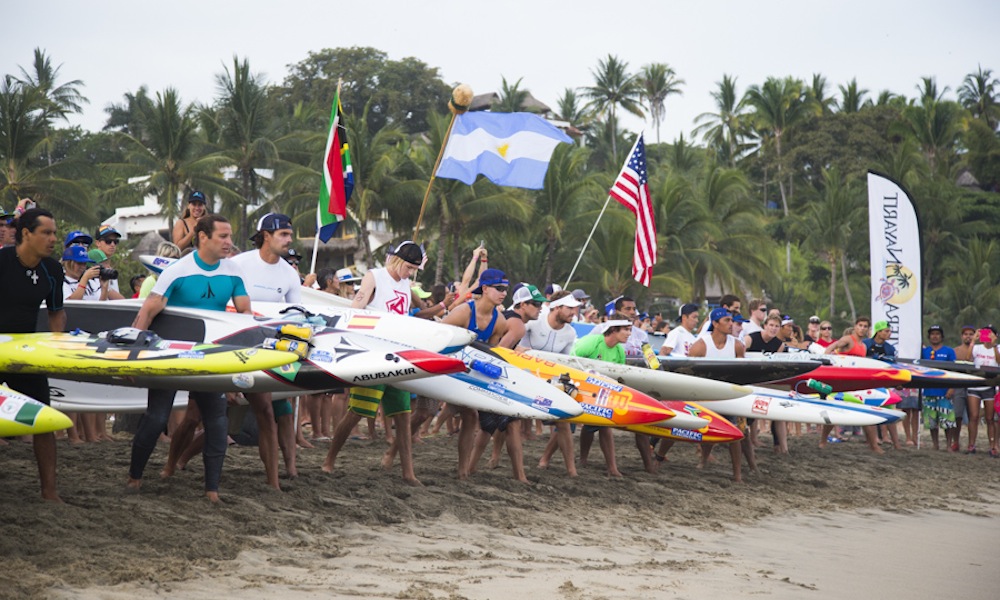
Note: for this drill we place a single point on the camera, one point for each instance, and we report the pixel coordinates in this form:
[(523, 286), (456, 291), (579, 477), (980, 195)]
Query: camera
[(107, 274)]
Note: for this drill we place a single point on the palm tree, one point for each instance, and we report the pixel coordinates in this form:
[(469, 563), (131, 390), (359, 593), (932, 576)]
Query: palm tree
[(570, 110), (23, 132), (780, 104), (831, 225), (246, 131), (658, 81), (817, 95), (972, 276), (978, 94), (60, 99), (512, 97), (852, 98), (934, 125), (557, 205), (169, 157), (724, 130), (614, 87), (127, 116)]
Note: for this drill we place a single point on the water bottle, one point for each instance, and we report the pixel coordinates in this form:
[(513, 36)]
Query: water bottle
[(651, 361), (299, 332), (819, 386), (489, 369), (299, 348)]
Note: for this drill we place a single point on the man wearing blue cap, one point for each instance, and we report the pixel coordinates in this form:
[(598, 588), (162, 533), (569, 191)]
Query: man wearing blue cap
[(721, 344), (82, 279), (483, 317)]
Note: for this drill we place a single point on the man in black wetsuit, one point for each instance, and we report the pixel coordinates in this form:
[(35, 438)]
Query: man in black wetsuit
[(28, 277)]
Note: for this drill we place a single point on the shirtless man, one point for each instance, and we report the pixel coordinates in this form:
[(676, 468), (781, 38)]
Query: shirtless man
[(483, 317), (720, 344), (960, 396)]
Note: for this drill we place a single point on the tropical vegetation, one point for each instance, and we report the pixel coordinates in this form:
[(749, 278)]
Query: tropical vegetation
[(765, 197)]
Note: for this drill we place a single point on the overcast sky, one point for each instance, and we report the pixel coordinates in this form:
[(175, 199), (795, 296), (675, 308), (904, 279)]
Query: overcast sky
[(114, 46)]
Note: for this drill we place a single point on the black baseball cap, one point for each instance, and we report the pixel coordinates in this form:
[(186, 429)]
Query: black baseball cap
[(686, 310), (409, 252), (272, 222), (936, 328)]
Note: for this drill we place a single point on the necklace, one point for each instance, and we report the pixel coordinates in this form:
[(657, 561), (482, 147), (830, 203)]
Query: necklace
[(29, 271)]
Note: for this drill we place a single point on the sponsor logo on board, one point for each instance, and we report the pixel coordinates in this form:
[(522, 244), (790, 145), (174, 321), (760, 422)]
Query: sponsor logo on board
[(384, 374), (597, 411), (320, 356), (760, 406), (244, 381), (604, 383), (195, 354), (687, 434)]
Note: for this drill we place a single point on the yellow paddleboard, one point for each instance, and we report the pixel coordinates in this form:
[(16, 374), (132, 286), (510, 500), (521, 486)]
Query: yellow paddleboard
[(22, 415), (128, 351)]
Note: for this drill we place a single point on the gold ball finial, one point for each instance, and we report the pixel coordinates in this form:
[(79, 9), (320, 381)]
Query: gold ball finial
[(461, 98)]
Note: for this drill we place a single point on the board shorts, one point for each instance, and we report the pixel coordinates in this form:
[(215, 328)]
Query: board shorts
[(364, 401), (34, 386), (910, 402), (491, 422), (741, 423), (281, 408), (960, 404), (426, 405), (938, 412)]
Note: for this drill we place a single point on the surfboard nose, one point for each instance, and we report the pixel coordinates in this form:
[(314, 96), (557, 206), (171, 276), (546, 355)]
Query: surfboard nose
[(432, 362)]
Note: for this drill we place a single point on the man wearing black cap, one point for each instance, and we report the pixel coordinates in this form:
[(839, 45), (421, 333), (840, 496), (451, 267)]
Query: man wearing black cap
[(387, 289), (268, 278), (681, 338), (107, 241), (938, 411)]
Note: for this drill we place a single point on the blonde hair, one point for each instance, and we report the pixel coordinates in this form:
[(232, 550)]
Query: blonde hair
[(168, 250)]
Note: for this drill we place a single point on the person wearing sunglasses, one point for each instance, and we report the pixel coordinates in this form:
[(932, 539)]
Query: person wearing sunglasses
[(525, 306), (758, 313), (107, 239), (825, 338), (482, 316)]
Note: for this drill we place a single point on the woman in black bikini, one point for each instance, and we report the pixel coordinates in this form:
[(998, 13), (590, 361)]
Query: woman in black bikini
[(183, 233)]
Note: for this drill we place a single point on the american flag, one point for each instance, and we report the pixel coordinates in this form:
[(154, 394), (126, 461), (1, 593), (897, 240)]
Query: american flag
[(632, 190)]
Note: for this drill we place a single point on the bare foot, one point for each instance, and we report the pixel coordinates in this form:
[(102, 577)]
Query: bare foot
[(213, 497), (52, 496), (543, 464), (304, 444), (412, 481), (387, 460), (168, 471), (328, 466), (615, 473), (494, 463), (523, 480), (878, 450), (133, 484)]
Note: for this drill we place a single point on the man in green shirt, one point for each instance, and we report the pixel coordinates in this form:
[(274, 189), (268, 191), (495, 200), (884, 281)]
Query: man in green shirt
[(607, 343)]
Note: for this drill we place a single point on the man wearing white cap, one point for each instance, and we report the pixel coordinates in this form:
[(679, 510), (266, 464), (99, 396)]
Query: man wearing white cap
[(553, 333)]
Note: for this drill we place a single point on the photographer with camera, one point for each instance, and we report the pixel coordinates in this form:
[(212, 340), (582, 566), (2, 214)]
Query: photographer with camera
[(108, 276), (82, 276)]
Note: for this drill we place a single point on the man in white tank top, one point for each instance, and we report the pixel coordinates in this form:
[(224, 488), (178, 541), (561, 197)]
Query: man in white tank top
[(388, 290), (720, 344)]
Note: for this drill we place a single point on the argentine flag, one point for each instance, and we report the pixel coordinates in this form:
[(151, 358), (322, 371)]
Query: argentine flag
[(510, 149)]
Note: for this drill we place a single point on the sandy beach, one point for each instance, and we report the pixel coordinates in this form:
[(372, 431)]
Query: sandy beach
[(815, 524)]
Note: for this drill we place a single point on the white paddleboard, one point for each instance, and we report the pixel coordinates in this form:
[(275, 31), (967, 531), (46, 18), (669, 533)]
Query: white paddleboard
[(662, 385)]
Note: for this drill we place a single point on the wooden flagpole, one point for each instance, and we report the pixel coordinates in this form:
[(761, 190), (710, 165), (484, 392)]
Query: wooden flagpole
[(461, 98), (437, 163)]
